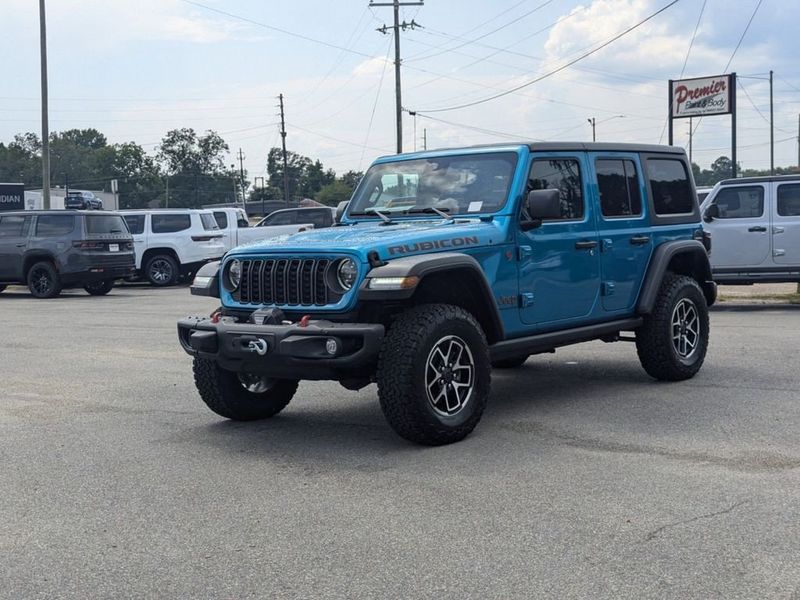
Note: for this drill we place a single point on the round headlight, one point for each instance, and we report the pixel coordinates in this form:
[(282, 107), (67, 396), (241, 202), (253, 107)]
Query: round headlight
[(346, 273), (234, 273)]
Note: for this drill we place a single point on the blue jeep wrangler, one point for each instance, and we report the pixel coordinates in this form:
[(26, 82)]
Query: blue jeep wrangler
[(445, 264)]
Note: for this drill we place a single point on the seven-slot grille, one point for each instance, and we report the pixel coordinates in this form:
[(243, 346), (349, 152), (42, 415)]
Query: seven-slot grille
[(285, 281)]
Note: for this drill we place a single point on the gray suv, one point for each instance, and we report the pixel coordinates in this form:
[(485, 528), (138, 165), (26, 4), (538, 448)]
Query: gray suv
[(51, 250)]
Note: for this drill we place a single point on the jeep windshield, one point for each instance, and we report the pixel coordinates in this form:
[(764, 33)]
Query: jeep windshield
[(457, 185)]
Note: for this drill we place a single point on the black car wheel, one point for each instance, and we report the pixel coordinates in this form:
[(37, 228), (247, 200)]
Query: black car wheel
[(161, 270), (43, 281), (99, 288)]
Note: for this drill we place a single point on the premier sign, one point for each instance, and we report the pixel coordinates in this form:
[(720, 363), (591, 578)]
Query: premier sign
[(701, 97), (12, 196)]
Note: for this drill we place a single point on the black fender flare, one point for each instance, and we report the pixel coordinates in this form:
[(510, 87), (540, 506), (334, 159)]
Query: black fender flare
[(662, 257), (208, 284), (424, 265)]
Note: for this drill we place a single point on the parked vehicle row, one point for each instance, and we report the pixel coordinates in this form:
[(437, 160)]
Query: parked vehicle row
[(52, 250)]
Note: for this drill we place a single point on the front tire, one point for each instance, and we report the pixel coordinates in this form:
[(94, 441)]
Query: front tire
[(161, 270), (241, 396), (99, 288), (43, 280), (434, 374), (673, 340)]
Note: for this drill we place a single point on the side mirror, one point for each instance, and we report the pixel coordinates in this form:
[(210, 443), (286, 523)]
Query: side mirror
[(340, 208), (711, 213), (540, 205)]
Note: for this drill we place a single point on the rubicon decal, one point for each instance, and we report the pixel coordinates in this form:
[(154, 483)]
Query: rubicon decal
[(458, 242)]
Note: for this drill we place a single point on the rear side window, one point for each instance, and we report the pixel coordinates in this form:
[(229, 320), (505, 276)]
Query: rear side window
[(789, 200), (283, 218), (170, 223), (105, 224), (14, 226), (563, 175), (741, 202), (208, 221), (54, 225), (222, 219), (135, 223), (669, 183), (619, 188)]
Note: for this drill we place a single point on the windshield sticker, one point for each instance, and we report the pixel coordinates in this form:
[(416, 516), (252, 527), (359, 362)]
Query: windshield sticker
[(475, 207)]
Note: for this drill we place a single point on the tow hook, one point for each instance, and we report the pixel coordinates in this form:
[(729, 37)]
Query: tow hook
[(258, 346)]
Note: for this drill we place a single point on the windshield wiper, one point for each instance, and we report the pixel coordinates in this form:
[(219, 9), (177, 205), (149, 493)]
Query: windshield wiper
[(372, 211), (432, 209)]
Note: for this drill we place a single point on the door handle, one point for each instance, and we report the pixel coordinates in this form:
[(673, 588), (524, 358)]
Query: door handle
[(640, 240), (586, 245), (760, 228)]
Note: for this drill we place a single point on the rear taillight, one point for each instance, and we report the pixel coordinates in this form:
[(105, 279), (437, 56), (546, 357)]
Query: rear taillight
[(88, 245)]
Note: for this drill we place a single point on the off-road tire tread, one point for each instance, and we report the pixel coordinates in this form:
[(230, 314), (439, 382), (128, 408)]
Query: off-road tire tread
[(395, 374), (223, 394), (654, 346)]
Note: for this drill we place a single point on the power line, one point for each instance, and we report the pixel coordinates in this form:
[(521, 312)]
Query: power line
[(557, 70), (374, 106)]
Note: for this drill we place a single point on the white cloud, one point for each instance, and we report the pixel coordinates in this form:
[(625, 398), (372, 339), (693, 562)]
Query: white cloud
[(372, 66)]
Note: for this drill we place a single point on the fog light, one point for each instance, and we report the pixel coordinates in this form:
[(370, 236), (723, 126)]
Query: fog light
[(331, 346)]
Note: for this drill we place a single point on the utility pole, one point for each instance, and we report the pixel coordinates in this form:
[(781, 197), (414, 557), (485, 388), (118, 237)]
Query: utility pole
[(45, 119), (798, 147), (166, 204), (690, 141), (425, 138), (241, 175), (414, 114), (66, 186), (396, 4), (285, 161), (771, 130), (593, 123)]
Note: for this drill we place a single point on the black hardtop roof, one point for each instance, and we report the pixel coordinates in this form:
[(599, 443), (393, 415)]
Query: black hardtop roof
[(761, 179)]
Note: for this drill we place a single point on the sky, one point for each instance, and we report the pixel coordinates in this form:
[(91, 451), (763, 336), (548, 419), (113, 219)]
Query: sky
[(135, 69)]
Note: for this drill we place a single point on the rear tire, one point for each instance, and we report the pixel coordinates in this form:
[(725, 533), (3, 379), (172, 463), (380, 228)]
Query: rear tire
[(673, 340), (161, 270), (43, 280), (99, 288), (434, 374), (510, 363), (241, 397)]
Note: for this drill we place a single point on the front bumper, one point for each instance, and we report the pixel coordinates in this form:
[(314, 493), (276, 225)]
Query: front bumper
[(284, 351)]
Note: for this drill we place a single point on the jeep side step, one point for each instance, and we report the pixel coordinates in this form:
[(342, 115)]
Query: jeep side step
[(544, 342)]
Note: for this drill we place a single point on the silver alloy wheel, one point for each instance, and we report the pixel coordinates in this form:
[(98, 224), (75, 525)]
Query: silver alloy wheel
[(255, 384), (160, 270), (685, 328), (449, 375)]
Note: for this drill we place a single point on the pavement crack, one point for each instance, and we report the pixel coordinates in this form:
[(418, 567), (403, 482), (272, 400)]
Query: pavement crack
[(656, 532)]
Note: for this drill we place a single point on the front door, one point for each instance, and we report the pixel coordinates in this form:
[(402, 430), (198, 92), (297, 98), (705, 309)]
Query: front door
[(740, 236), (623, 227), (559, 267), (13, 241), (786, 225)]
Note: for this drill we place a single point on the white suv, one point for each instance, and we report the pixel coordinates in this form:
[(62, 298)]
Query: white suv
[(755, 229), (170, 243)]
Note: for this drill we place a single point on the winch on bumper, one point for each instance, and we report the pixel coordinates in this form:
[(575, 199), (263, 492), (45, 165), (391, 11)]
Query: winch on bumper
[(303, 350)]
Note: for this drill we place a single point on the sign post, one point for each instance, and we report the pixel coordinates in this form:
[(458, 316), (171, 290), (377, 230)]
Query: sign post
[(703, 97)]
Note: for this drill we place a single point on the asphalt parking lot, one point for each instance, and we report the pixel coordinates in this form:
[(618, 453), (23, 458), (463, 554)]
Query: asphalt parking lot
[(585, 479)]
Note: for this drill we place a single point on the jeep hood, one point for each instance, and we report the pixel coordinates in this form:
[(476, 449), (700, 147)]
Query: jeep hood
[(401, 238)]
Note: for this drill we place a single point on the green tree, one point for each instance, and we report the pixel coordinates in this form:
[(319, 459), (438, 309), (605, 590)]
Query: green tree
[(297, 170), (333, 193)]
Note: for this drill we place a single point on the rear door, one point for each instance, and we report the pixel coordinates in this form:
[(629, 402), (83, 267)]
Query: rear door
[(786, 225), (13, 242), (623, 227), (740, 235), (226, 228), (138, 226)]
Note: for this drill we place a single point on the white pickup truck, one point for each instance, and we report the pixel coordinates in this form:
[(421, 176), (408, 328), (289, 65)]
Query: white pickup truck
[(236, 230)]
